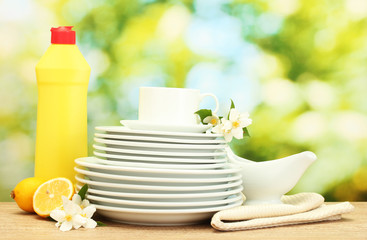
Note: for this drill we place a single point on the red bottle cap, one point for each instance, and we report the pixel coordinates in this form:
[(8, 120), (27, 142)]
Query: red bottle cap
[(63, 35)]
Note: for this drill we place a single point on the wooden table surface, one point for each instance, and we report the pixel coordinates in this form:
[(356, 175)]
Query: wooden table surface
[(16, 224)]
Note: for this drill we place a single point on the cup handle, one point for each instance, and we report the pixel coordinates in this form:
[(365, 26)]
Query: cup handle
[(215, 99)]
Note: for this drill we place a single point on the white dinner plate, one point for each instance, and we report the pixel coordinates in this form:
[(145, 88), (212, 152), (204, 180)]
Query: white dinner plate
[(141, 151), (157, 217), (137, 188), (161, 205), (158, 139), (117, 157), (160, 146), (153, 180), (116, 130), (159, 165), (165, 197), (90, 162), (142, 125)]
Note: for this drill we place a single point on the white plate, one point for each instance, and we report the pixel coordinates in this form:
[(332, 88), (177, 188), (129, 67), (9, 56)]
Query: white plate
[(164, 197), (177, 135), (158, 139), (142, 125), (90, 162), (116, 157), (161, 205), (160, 146), (159, 165), (140, 151), (137, 188), (157, 217), (154, 180)]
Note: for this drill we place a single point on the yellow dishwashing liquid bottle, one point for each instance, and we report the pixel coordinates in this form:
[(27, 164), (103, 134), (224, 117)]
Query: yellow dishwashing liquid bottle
[(62, 80)]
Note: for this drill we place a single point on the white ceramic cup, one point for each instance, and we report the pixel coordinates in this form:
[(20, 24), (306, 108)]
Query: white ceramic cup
[(174, 106)]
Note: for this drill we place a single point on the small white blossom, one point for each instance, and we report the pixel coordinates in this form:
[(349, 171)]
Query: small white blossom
[(233, 127), (212, 120), (74, 214)]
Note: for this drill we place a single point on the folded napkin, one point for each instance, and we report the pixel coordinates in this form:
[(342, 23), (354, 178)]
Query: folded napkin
[(296, 209)]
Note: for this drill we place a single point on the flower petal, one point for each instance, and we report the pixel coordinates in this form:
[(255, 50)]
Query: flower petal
[(77, 199), (85, 203), (234, 114), (89, 211), (66, 226), (70, 207), (78, 221), (90, 223), (228, 136), (237, 133), (58, 215)]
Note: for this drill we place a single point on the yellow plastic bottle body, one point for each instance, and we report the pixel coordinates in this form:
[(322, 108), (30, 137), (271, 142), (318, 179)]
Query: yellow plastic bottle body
[(62, 80)]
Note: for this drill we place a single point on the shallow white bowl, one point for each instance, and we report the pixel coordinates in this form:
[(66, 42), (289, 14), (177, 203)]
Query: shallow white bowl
[(161, 217), (155, 139), (152, 172), (161, 205), (164, 159), (139, 188), (112, 149), (165, 197), (119, 130), (104, 177), (140, 164)]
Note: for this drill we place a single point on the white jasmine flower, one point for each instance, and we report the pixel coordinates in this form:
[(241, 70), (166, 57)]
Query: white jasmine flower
[(212, 120), (69, 217), (234, 126), (87, 214), (74, 214)]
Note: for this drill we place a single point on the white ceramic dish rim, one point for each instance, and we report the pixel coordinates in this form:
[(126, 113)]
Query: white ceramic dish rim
[(160, 159), (160, 145), (234, 190), (158, 188), (160, 165), (158, 139), (158, 153), (232, 169), (135, 203), (168, 211), (144, 125), (121, 129), (157, 179)]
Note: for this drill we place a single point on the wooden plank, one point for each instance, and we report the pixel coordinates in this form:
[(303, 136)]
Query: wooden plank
[(16, 224)]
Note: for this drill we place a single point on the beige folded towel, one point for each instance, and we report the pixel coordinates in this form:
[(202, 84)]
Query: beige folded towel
[(297, 209)]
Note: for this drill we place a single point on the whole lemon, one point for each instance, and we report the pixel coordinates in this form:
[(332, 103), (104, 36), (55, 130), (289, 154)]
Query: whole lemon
[(23, 192)]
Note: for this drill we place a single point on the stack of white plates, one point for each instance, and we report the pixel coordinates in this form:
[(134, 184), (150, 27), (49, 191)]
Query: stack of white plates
[(159, 178)]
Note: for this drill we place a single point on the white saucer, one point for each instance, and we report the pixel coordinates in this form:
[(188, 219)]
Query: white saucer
[(105, 177), (157, 139), (139, 152), (161, 205), (166, 134), (137, 188), (164, 197), (160, 165), (162, 146), (160, 159), (157, 217), (141, 125)]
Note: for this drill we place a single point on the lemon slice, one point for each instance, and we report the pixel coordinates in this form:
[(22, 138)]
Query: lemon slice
[(48, 195)]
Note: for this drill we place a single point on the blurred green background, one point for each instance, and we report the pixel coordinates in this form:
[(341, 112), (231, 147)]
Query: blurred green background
[(298, 66)]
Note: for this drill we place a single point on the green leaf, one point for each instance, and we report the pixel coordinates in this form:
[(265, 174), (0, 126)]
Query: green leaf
[(51, 219), (232, 106), (246, 132), (101, 224), (83, 191), (203, 113)]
